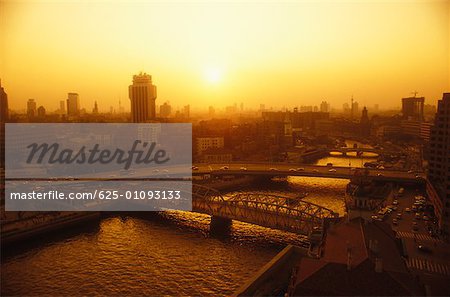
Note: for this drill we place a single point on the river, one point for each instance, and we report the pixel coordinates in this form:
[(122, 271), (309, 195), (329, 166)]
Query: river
[(168, 254)]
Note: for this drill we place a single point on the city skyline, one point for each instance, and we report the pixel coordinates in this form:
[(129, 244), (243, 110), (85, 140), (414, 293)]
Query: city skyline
[(218, 54)]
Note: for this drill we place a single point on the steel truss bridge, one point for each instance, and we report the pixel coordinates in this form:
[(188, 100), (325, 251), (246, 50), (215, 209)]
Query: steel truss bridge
[(267, 210)]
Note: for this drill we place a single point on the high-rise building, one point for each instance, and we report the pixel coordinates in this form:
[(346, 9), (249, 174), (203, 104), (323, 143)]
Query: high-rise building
[(187, 111), (324, 106), (73, 104), (438, 183), (165, 110), (41, 111), (95, 109), (412, 108), (365, 123), (142, 94), (62, 106), (4, 111), (31, 108), (354, 108)]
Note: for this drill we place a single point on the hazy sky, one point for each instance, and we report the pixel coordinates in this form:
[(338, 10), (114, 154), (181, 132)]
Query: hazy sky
[(217, 53)]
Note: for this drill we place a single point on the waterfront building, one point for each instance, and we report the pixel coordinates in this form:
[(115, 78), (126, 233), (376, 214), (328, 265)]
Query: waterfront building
[(142, 95), (359, 259), (41, 111), (31, 108), (438, 182), (73, 104)]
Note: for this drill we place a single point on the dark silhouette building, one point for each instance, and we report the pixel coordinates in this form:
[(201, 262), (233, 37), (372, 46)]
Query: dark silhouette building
[(365, 123), (31, 108), (412, 108), (438, 184), (142, 94), (4, 111)]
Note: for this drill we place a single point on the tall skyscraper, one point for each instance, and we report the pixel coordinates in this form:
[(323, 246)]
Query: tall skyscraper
[(41, 111), (412, 108), (324, 106), (95, 109), (365, 123), (142, 94), (438, 184), (62, 106), (73, 104), (187, 111), (31, 108)]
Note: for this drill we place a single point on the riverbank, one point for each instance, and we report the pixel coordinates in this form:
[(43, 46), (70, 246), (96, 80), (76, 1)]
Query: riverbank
[(34, 226)]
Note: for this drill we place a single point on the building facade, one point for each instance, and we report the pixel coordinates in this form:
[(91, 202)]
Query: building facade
[(204, 143), (142, 95), (73, 104), (412, 108), (31, 108), (438, 183)]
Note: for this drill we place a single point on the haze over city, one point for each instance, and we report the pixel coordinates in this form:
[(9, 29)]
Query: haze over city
[(211, 53)]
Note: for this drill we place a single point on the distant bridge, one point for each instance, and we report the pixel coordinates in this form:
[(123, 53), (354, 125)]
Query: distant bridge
[(287, 169), (272, 211), (358, 150)]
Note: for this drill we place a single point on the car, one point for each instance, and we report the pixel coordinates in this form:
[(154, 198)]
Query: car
[(352, 169), (395, 202), (165, 171), (425, 218), (292, 169), (395, 221), (243, 168), (408, 209), (379, 174), (418, 176), (273, 169), (300, 169), (410, 171), (194, 168), (424, 248), (399, 216), (417, 216), (155, 170), (377, 218), (224, 168), (315, 170), (332, 170)]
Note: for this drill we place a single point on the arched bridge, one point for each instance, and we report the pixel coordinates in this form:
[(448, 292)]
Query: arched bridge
[(272, 211)]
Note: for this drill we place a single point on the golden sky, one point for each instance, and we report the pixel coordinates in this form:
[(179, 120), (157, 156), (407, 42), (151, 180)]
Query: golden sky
[(205, 53)]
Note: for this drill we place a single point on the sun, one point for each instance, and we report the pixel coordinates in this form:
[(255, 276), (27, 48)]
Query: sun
[(213, 75)]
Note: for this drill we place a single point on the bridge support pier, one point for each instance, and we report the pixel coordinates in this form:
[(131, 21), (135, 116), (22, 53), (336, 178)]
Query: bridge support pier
[(220, 226)]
